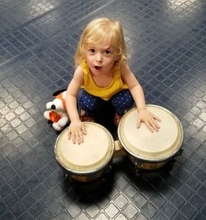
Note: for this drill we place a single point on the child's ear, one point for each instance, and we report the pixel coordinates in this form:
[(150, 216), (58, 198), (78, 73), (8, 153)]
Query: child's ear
[(117, 59), (118, 56)]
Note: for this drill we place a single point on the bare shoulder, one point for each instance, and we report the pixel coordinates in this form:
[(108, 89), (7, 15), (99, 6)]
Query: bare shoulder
[(125, 69), (128, 76), (78, 71), (76, 81), (78, 74)]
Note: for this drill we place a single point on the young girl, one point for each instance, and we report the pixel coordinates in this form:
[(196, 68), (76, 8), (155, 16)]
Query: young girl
[(103, 75)]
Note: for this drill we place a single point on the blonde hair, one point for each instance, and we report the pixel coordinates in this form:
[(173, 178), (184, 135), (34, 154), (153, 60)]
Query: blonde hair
[(95, 32)]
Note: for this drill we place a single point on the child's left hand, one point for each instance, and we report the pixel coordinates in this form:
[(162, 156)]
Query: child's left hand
[(150, 120)]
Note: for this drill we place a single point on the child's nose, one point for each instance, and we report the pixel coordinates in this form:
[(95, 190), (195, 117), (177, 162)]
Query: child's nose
[(98, 57)]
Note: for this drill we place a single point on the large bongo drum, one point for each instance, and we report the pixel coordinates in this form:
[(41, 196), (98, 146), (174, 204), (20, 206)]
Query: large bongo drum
[(149, 150), (85, 162)]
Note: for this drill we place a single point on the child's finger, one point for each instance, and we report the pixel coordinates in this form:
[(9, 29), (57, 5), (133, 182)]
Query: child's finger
[(69, 134), (155, 125), (156, 118), (138, 122), (84, 130), (150, 126)]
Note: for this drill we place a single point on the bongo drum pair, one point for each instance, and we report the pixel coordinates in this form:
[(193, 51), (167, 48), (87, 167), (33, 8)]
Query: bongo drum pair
[(88, 161)]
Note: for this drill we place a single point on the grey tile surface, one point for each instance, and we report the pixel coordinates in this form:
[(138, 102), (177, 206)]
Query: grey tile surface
[(166, 43)]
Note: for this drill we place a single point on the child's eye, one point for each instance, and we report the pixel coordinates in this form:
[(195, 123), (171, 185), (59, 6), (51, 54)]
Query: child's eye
[(107, 52), (91, 50)]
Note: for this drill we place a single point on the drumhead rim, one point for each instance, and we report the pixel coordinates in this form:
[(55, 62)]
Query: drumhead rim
[(93, 170), (160, 159)]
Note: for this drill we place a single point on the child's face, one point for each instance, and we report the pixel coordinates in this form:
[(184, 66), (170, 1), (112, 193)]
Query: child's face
[(101, 58)]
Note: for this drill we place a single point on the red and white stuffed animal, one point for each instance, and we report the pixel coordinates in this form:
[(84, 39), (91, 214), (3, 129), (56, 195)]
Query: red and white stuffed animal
[(56, 111)]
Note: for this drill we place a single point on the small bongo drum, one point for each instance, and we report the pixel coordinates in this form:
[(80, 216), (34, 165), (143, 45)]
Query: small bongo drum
[(87, 161), (149, 150)]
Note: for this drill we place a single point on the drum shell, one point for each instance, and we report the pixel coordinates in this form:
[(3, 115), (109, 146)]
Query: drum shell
[(86, 177), (150, 165), (90, 173), (146, 163)]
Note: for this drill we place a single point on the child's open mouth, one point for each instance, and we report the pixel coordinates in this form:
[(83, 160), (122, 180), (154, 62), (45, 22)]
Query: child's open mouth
[(98, 67)]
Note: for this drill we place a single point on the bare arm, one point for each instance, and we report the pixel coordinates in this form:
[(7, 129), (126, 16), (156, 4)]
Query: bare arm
[(138, 95), (76, 129)]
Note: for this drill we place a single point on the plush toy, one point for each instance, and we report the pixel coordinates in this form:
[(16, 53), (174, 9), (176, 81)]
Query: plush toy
[(59, 102), (56, 111)]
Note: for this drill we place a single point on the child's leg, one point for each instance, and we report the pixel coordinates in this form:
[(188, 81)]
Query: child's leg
[(121, 102), (89, 103)]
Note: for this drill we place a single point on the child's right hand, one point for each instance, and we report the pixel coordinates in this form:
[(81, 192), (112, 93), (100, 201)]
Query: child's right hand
[(150, 120), (76, 131)]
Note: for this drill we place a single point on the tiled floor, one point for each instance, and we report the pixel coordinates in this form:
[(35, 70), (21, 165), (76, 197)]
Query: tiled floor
[(167, 51)]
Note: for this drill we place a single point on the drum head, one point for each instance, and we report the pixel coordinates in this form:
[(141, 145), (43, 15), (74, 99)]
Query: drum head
[(88, 157), (145, 145)]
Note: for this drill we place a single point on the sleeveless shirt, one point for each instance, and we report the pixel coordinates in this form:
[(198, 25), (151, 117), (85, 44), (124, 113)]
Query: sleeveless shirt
[(104, 93)]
